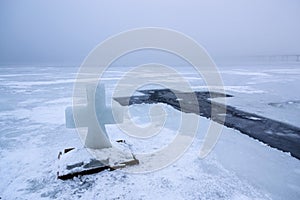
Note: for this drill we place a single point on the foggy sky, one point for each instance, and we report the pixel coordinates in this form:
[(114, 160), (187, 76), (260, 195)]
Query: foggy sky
[(58, 31)]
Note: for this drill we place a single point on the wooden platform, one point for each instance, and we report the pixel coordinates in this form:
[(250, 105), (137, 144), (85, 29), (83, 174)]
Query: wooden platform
[(75, 162)]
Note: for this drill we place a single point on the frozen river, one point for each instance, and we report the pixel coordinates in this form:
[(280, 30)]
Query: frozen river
[(32, 132)]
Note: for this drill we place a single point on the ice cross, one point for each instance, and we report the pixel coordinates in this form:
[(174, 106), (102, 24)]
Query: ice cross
[(96, 138)]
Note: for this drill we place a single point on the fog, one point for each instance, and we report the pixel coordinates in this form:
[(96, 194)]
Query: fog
[(66, 31)]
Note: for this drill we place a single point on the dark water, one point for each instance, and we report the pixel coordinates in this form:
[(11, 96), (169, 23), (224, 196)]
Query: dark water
[(276, 134)]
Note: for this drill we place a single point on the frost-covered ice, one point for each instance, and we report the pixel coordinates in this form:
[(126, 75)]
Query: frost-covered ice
[(32, 132)]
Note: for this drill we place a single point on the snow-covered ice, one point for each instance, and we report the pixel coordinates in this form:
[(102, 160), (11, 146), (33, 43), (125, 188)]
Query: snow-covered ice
[(32, 132)]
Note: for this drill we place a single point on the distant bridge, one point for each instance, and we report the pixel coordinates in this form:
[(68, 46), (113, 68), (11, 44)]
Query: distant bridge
[(280, 58)]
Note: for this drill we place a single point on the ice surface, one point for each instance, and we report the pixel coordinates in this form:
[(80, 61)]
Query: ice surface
[(33, 131)]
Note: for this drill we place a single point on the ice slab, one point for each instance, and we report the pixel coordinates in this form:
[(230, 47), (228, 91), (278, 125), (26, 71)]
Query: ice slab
[(94, 115)]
